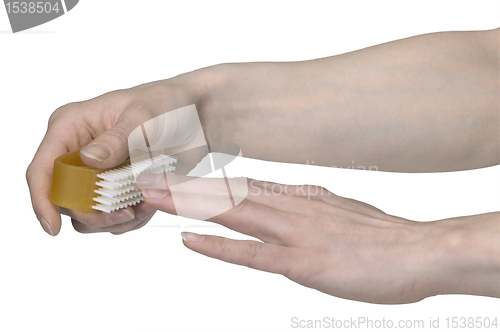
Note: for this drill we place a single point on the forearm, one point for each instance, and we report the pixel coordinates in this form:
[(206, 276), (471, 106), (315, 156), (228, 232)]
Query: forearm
[(421, 104), (465, 252)]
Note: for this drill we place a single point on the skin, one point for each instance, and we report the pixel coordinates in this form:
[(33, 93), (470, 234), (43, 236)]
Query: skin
[(338, 245), (428, 103)]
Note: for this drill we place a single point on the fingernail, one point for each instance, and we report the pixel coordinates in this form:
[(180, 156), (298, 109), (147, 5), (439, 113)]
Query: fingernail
[(96, 151), (191, 237), (119, 217), (154, 193), (148, 180), (45, 226)]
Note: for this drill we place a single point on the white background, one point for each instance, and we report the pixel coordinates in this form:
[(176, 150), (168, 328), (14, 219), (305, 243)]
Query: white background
[(147, 280)]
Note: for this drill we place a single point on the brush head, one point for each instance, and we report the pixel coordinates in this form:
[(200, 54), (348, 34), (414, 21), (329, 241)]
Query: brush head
[(78, 187), (117, 188)]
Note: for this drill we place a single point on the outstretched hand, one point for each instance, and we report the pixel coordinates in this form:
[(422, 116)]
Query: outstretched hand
[(336, 245)]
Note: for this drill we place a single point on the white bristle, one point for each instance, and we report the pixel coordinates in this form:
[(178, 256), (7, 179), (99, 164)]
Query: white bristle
[(118, 199), (116, 192), (112, 185), (108, 209), (117, 187)]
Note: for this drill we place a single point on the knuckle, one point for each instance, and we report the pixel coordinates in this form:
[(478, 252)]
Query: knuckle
[(313, 190), (117, 135), (222, 246), (61, 111), (28, 173), (253, 251), (296, 272), (155, 90), (56, 114), (119, 93), (147, 95), (325, 192)]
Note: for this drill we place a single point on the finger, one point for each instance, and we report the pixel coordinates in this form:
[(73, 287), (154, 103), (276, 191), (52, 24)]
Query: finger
[(39, 182), (110, 148), (256, 255), (257, 220), (142, 210), (138, 226), (241, 187), (143, 213), (276, 196), (67, 131), (195, 185), (232, 191), (99, 219), (294, 199), (39, 178), (119, 229)]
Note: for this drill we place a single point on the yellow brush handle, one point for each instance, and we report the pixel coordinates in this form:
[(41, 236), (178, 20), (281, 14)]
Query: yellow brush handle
[(73, 182)]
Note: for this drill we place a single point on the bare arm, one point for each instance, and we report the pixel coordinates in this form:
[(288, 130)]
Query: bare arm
[(423, 104), (426, 103)]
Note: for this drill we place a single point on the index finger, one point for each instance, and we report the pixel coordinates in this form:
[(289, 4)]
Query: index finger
[(39, 176)]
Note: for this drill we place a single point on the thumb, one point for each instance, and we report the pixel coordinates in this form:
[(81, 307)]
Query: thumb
[(172, 130), (111, 147)]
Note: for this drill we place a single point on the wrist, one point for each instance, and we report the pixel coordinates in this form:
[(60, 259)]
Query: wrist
[(465, 255), (204, 88), (248, 104)]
